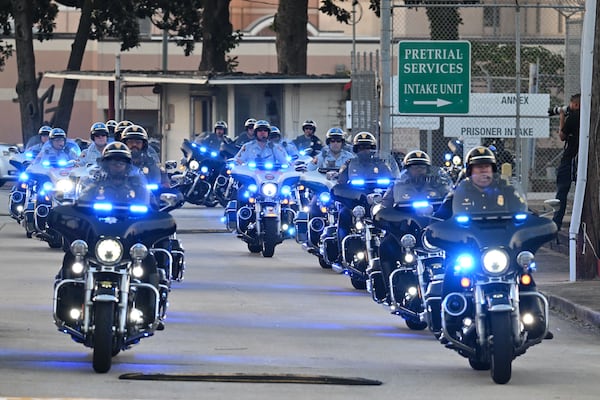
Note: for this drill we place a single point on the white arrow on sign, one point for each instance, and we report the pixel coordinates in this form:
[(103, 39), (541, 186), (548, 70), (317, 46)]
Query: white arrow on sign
[(437, 103)]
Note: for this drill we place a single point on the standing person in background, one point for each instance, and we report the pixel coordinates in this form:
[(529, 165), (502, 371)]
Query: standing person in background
[(567, 169)]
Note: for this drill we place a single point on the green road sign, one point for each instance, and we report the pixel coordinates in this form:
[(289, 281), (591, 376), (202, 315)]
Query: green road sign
[(434, 77)]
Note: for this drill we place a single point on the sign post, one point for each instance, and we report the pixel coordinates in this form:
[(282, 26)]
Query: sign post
[(434, 77)]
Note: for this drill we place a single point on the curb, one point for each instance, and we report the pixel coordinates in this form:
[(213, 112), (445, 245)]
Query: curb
[(570, 309), (201, 230)]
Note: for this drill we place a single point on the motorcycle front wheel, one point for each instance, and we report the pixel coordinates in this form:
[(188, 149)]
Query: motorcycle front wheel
[(502, 348), (103, 336), (271, 235)]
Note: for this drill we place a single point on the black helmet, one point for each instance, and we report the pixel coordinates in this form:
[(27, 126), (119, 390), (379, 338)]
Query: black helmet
[(275, 132), (416, 157), (250, 122), (98, 127), (362, 139), (262, 124), (335, 133), (135, 132), (44, 130), (58, 133), (111, 124), (116, 150), (121, 126), (480, 155), (309, 123)]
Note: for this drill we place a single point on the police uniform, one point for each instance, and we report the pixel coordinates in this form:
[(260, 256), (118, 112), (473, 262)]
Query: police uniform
[(212, 140), (243, 138), (498, 196), (253, 151), (90, 155), (70, 152), (326, 159)]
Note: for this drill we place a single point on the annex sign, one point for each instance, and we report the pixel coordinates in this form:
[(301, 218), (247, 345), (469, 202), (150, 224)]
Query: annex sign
[(493, 115)]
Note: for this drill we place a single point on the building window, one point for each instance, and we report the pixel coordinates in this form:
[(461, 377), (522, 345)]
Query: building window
[(491, 17)]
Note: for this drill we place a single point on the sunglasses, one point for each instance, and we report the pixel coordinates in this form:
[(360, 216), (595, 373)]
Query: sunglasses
[(262, 130), (335, 140)]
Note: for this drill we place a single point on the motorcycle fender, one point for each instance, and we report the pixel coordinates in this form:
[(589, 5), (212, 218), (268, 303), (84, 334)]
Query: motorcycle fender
[(498, 302), (106, 291)]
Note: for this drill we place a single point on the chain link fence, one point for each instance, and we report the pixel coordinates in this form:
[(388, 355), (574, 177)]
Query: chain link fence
[(546, 46)]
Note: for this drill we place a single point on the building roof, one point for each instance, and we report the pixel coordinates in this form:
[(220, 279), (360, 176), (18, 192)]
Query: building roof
[(197, 78)]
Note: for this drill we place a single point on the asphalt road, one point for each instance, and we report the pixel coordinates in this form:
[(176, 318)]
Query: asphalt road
[(241, 314)]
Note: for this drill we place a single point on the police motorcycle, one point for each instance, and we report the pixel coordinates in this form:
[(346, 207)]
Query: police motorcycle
[(415, 281), (321, 212), (491, 312), (21, 189), (225, 187), (359, 247), (200, 168), (263, 215), (51, 182), (110, 294)]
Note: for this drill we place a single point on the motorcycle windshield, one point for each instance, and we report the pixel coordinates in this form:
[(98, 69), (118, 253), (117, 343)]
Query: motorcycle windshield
[(376, 172), (421, 191), (496, 217)]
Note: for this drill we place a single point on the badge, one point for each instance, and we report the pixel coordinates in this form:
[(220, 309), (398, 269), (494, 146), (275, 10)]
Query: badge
[(132, 194), (500, 200), (100, 195), (376, 170), (145, 170)]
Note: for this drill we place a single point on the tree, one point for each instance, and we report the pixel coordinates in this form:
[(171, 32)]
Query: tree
[(218, 37), (291, 33), (26, 15), (111, 18), (292, 37)]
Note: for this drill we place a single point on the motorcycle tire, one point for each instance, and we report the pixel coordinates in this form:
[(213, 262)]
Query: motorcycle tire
[(478, 365), (271, 227), (415, 325), (254, 248), (501, 353), (358, 284), (55, 241), (103, 336), (324, 264)]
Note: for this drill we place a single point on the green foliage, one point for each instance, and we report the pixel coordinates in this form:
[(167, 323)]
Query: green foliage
[(343, 15), (499, 60)]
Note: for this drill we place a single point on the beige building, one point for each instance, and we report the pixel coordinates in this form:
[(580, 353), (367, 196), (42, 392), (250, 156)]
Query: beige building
[(188, 103)]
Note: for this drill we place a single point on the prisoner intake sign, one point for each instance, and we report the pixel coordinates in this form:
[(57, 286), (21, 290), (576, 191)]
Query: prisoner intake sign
[(495, 115), (434, 77)]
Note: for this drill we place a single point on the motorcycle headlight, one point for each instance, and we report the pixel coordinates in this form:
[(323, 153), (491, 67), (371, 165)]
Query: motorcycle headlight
[(359, 211), (64, 185), (138, 251), (79, 248), (495, 261), (269, 189), (109, 251), (408, 241), (525, 259), (194, 165)]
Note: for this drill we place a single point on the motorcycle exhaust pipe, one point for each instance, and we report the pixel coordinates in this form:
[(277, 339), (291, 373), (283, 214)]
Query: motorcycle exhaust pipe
[(42, 211), (455, 304), (244, 213)]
